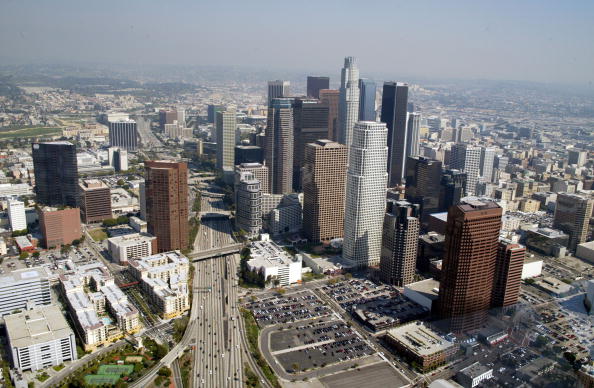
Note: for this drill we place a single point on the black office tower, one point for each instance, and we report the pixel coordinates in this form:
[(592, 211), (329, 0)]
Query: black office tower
[(56, 173), (453, 188), (315, 84), (394, 104), (423, 177), (310, 123)]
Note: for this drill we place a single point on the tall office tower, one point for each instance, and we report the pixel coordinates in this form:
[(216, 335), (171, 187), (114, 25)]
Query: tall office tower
[(572, 215), (56, 173), (166, 117), (142, 199), (226, 125), (367, 90), (487, 163), (453, 189), (259, 171), (423, 177), (166, 191), (348, 103), (468, 268), (16, 215), (412, 134), (278, 152), (577, 157), (248, 216), (123, 134), (324, 179), (277, 89), (211, 112), (330, 98), (365, 194), (399, 243), (394, 103), (310, 123), (248, 154), (181, 116), (95, 201), (508, 273), (467, 158), (315, 84)]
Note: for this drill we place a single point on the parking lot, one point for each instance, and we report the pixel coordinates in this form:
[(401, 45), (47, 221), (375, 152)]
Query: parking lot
[(377, 306), (288, 308)]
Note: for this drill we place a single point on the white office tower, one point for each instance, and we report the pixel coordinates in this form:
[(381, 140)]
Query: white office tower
[(413, 126), (487, 163), (248, 216), (23, 287), (225, 124), (181, 116), (278, 89), (365, 194), (467, 158), (348, 103), (16, 215), (118, 158)]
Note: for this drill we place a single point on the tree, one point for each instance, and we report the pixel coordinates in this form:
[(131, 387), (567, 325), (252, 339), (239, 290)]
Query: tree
[(23, 255), (65, 248), (36, 254), (295, 366), (164, 371), (120, 182)]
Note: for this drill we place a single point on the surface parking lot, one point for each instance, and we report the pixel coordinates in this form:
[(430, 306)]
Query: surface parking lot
[(318, 345), (289, 308), (357, 291)]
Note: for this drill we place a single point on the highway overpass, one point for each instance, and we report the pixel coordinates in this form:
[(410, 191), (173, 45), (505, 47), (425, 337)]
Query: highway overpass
[(214, 252)]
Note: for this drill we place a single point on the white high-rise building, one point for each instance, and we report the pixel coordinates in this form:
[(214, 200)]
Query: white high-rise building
[(16, 215), (225, 124), (413, 126), (487, 163), (467, 158), (365, 193), (348, 103)]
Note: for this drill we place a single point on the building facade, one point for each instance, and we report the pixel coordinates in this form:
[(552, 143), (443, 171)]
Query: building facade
[(278, 89), (225, 125), (365, 194), (467, 158), (348, 103), (394, 114), (279, 146), (95, 201), (166, 192), (315, 84), (324, 181), (56, 173), (23, 286), (508, 274), (16, 215), (248, 214), (59, 227), (572, 216), (330, 99), (259, 171), (367, 91), (123, 134), (423, 177), (130, 246)]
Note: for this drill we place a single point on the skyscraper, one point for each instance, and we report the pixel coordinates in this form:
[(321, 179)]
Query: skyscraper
[(324, 179), (399, 243), (56, 173), (330, 98), (123, 134), (367, 89), (572, 215), (248, 216), (277, 89), (16, 215), (225, 124), (508, 273), (310, 123), (412, 134), (394, 104), (452, 190), (365, 194), (422, 184), (278, 152), (487, 163), (468, 268), (166, 117), (166, 192), (315, 84), (467, 158), (259, 171), (348, 104), (212, 110)]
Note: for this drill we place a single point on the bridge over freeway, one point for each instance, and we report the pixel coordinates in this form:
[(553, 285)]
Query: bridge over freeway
[(214, 252)]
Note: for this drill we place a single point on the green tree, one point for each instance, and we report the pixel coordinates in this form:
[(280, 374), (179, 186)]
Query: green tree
[(36, 254), (120, 182), (166, 372), (23, 255)]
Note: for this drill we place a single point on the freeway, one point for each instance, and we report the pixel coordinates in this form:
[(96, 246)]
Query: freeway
[(176, 374), (215, 252), (147, 137), (217, 355)]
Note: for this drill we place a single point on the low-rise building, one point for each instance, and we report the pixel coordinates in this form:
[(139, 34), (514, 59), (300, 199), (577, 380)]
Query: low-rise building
[(39, 338), (130, 246), (421, 345), (275, 263), (473, 375), (59, 226), (554, 286), (139, 225), (585, 251), (164, 278), (94, 201), (547, 241), (531, 268), (24, 286), (24, 244), (425, 292)]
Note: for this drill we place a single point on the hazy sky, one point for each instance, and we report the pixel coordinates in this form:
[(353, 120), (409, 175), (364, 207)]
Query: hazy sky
[(538, 40)]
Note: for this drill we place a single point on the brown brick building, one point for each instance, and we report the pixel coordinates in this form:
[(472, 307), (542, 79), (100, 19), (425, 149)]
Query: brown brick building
[(324, 180), (59, 227), (166, 190), (329, 98), (468, 268), (508, 274), (95, 201)]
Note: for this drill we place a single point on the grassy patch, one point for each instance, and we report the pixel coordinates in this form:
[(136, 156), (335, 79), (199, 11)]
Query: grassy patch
[(42, 376), (30, 132), (252, 332), (312, 276), (98, 234), (58, 368)]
